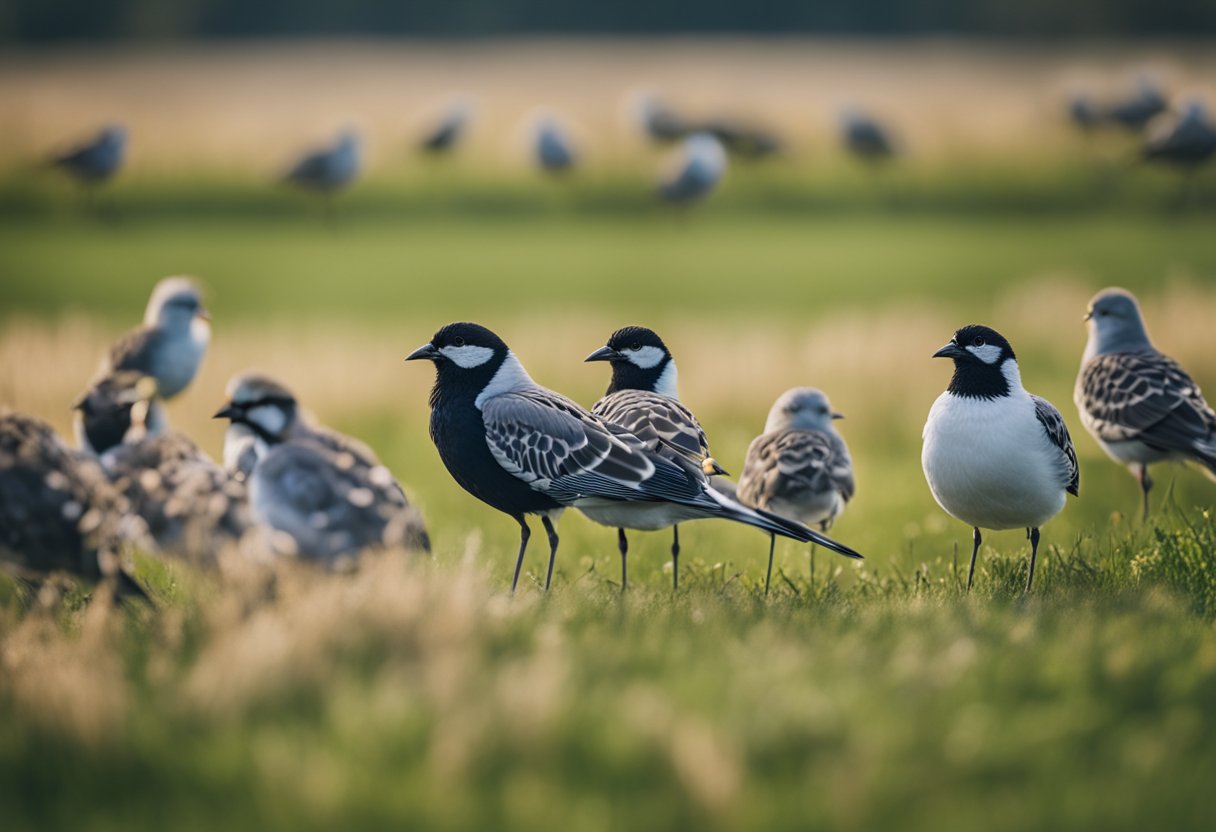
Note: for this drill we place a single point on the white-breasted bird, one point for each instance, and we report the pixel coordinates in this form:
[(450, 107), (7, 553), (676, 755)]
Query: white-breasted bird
[(1140, 405), (553, 149), (995, 456), (643, 397), (524, 449), (800, 466), (696, 171), (96, 160), (330, 169), (325, 495)]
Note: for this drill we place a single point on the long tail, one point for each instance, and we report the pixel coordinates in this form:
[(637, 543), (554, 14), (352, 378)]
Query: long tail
[(776, 524)]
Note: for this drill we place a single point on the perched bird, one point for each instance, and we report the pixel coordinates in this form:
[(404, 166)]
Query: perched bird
[(326, 496), (800, 466), (700, 168), (446, 135), (524, 449), (172, 341), (996, 457), (98, 159), (643, 398), (554, 152), (58, 512), (865, 137), (658, 120), (1140, 405), (191, 506), (328, 170), (1137, 110), (1186, 142)]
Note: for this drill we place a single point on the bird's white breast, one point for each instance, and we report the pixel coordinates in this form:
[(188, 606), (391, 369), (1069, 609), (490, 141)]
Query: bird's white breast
[(179, 358), (989, 462)]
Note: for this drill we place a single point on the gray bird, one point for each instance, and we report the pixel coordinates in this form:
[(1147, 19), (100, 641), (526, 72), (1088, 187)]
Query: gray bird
[(58, 512), (1140, 405), (700, 168), (1136, 111), (191, 506), (328, 170), (658, 120), (865, 137), (554, 151), (800, 466), (740, 138), (446, 135), (98, 159), (170, 344), (323, 495), (1186, 142)]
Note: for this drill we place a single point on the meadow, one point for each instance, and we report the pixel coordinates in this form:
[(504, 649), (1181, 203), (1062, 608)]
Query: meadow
[(856, 696)]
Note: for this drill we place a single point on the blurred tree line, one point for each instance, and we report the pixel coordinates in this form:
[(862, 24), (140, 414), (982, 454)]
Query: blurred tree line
[(51, 20)]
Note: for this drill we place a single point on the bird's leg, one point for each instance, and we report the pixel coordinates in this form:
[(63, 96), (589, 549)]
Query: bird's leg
[(552, 532), (622, 543), (813, 547), (675, 558), (1034, 550), (524, 534), (1146, 483), (974, 551), (768, 578)]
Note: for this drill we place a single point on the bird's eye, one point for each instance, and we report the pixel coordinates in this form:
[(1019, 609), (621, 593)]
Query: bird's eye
[(458, 341), (978, 340), (635, 346)]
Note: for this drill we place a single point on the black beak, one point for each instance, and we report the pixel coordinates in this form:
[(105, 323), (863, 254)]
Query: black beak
[(228, 411), (426, 351), (837, 415), (950, 350), (603, 354)]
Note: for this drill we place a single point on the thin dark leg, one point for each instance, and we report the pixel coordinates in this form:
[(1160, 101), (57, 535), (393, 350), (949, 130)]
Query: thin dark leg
[(768, 578), (1146, 483), (552, 532), (524, 534), (622, 543), (675, 558), (1034, 550), (813, 547), (974, 551)]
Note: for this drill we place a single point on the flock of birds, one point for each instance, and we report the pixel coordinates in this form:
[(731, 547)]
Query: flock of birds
[(995, 456), (1186, 139)]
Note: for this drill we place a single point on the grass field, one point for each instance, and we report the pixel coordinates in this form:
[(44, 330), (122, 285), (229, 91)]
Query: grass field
[(870, 696)]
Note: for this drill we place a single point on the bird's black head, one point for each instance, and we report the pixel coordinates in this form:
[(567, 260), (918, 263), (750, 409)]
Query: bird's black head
[(466, 357), (264, 405), (112, 407), (640, 361), (980, 355)]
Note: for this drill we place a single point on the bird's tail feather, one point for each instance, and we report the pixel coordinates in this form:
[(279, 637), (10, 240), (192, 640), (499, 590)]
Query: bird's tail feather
[(776, 524)]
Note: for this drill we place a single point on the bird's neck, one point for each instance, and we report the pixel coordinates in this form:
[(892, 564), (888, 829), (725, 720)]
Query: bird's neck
[(1130, 338), (662, 379), (986, 381)]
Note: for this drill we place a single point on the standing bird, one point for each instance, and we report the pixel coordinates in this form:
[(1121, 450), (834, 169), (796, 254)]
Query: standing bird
[(98, 159), (446, 135), (865, 137), (1186, 142), (326, 496), (58, 512), (996, 457), (168, 347), (658, 120), (551, 144), (800, 466), (1136, 111), (700, 167), (328, 170), (524, 449), (643, 398), (1140, 405)]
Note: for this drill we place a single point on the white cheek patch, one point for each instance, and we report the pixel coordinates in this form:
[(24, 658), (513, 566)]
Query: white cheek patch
[(646, 357), (269, 418), (989, 353), (467, 356)]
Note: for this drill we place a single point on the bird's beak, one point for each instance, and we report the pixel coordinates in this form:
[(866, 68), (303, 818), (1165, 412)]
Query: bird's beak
[(204, 315), (228, 411), (426, 351), (1089, 313), (603, 354), (837, 415), (950, 350)]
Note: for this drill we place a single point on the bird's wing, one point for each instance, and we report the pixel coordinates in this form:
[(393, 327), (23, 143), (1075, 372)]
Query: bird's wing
[(791, 464), (134, 350), (662, 422), (1053, 424), (1145, 397)]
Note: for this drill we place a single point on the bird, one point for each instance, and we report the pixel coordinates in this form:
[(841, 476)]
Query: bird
[(1185, 142), (190, 505), (1134, 112), (1139, 404), (170, 344), (554, 151), (741, 139), (323, 495), (524, 449), (699, 169), (658, 120), (1083, 112), (995, 456), (865, 137), (446, 135), (328, 170), (643, 398), (96, 160), (58, 511), (800, 466)]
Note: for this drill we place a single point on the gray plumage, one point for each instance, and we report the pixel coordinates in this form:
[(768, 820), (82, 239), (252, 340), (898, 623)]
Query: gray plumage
[(700, 168), (1187, 141), (447, 134), (659, 121), (1137, 110), (865, 137), (554, 152), (662, 422), (1053, 424), (98, 159), (330, 169)]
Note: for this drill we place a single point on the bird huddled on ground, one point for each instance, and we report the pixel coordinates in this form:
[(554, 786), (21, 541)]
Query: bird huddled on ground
[(1139, 404), (328, 170), (995, 456)]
